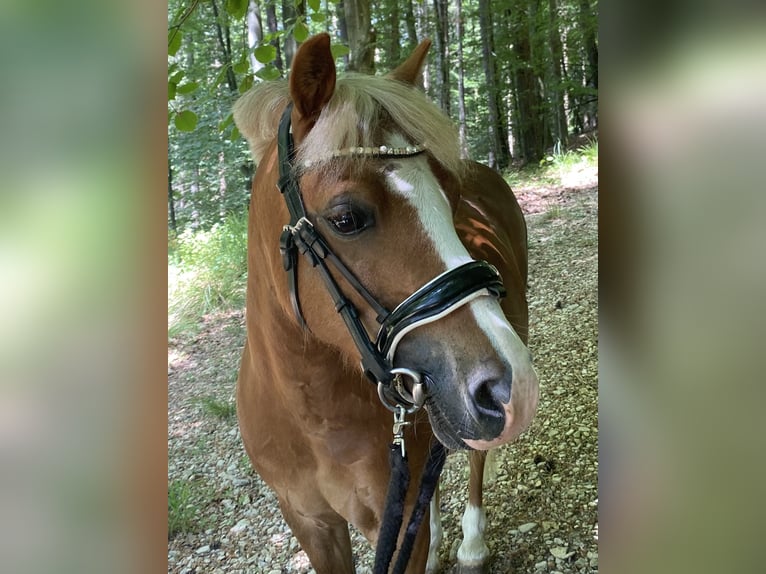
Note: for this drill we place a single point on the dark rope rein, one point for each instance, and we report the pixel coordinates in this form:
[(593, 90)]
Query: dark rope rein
[(394, 513)]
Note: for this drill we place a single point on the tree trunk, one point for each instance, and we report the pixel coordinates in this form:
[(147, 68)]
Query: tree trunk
[(498, 146), (289, 16), (442, 62), (361, 36), (395, 53), (254, 32), (412, 33), (342, 27), (423, 26), (271, 23), (573, 61), (225, 45), (557, 92), (588, 29), (538, 58), (461, 81), (171, 199), (531, 135)]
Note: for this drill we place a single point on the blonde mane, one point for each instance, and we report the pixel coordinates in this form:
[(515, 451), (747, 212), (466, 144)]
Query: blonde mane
[(352, 118)]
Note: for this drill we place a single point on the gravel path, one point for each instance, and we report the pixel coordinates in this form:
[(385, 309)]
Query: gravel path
[(542, 507)]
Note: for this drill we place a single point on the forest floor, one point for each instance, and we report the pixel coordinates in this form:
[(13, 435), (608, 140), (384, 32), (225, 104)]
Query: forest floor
[(542, 509)]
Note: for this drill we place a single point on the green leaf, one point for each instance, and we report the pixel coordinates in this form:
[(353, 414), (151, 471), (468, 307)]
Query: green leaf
[(314, 5), (234, 136), (171, 91), (271, 36), (246, 83), (339, 50), (177, 77), (241, 67), (188, 87), (186, 121), (174, 41), (268, 73), (318, 17), (301, 32), (226, 122), (237, 8), (265, 54)]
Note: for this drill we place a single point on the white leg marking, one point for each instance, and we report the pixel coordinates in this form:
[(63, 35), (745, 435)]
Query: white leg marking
[(436, 537), (473, 551)]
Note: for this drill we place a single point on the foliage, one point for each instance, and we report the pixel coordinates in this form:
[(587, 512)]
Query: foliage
[(559, 168), (217, 408), (185, 499), (563, 162), (216, 52), (207, 271)]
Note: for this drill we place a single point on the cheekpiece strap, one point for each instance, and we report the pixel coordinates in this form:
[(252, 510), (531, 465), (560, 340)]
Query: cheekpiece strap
[(288, 184)]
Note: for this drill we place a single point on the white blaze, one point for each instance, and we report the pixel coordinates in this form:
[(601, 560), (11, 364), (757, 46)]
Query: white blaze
[(412, 179)]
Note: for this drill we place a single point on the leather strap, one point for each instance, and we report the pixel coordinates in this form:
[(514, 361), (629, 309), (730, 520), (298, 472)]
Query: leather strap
[(437, 296)]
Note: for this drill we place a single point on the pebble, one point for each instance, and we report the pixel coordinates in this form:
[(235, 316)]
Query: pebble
[(203, 549), (541, 565), (561, 552), (240, 526), (524, 528)]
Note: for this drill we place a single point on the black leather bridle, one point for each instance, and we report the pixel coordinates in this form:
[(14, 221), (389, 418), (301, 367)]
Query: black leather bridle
[(437, 298)]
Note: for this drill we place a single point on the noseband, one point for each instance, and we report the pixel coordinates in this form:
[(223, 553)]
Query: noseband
[(432, 301)]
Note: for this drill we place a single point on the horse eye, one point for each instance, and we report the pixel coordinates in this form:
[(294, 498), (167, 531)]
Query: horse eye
[(346, 220)]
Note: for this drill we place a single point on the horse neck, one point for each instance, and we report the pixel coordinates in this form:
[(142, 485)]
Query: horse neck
[(272, 326)]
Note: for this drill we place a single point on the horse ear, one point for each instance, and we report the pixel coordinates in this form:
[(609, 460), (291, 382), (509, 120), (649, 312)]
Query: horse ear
[(410, 71), (312, 77)]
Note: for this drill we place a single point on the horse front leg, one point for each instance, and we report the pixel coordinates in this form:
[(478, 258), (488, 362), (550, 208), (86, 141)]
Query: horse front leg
[(324, 538), (473, 553), (435, 522)]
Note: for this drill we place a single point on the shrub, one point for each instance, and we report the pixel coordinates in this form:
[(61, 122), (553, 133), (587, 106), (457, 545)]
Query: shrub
[(207, 272)]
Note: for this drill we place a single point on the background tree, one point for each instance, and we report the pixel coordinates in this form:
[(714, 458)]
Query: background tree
[(519, 78), (361, 36)]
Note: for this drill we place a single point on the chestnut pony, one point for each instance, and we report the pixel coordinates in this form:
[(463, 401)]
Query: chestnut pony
[(380, 186)]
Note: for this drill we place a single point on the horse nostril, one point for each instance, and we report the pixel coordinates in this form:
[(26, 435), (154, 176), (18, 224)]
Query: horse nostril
[(489, 395)]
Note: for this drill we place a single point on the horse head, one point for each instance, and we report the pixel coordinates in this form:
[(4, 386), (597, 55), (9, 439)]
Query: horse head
[(380, 179)]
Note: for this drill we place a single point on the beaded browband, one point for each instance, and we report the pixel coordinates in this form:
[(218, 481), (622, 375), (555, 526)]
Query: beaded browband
[(381, 152)]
